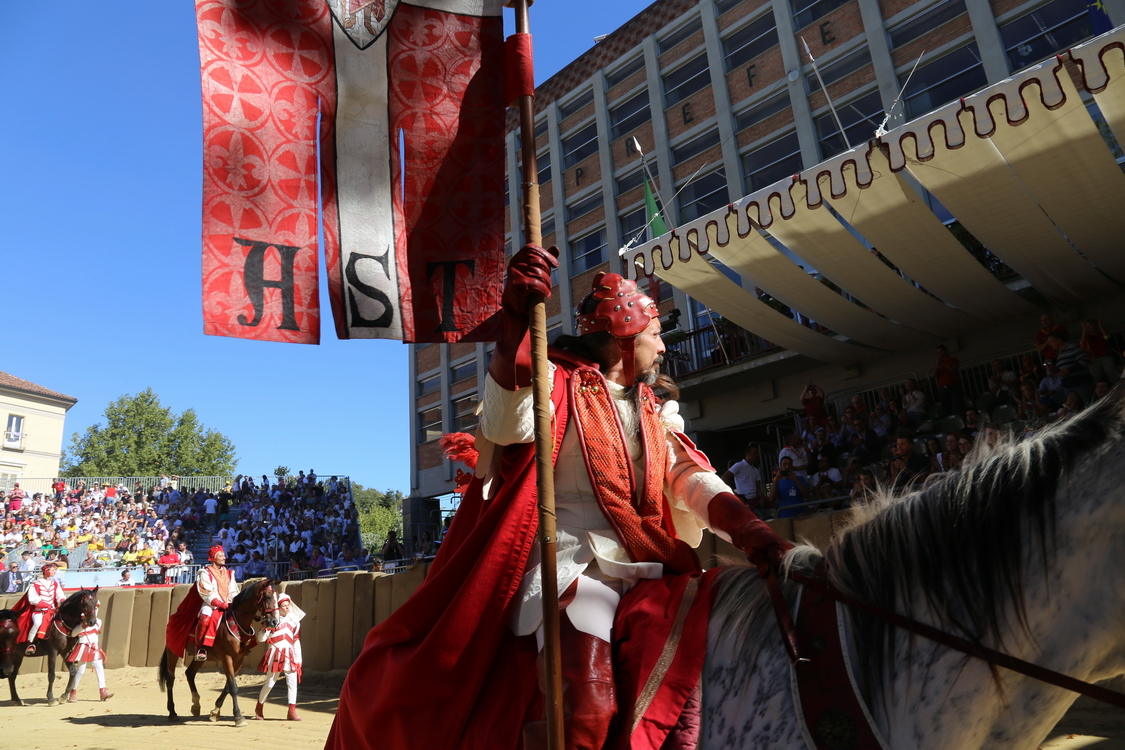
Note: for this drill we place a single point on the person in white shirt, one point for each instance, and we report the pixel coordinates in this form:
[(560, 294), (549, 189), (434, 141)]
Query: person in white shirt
[(746, 477), (283, 655), (914, 401), (827, 481), (126, 578), (87, 651)]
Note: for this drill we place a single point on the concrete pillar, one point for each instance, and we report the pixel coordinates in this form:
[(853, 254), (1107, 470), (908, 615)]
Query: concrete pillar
[(714, 46), (558, 199), (880, 48), (605, 163), (798, 96), (988, 40)]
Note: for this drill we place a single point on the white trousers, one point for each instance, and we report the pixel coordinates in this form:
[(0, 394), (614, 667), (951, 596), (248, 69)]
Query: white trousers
[(36, 621), (290, 682), (99, 671)]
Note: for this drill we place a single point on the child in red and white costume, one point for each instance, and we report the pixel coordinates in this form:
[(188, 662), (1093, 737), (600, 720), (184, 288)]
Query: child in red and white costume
[(283, 654), (87, 651)]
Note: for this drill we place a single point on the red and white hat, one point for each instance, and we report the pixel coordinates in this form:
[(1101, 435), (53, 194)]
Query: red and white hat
[(214, 551)]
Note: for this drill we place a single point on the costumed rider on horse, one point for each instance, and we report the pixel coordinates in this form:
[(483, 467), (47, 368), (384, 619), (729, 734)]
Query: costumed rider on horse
[(217, 588), (44, 597), (632, 498)]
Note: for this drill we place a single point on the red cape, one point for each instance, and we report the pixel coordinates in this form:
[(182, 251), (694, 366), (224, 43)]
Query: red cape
[(23, 611), (182, 623), (445, 670)]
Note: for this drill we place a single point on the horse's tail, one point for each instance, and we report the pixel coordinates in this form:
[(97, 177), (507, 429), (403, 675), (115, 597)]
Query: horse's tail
[(163, 675)]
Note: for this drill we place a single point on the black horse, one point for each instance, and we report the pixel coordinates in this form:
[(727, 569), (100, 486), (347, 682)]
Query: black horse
[(78, 609)]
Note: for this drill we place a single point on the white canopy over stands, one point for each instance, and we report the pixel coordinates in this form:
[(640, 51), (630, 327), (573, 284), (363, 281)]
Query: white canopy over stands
[(1022, 166)]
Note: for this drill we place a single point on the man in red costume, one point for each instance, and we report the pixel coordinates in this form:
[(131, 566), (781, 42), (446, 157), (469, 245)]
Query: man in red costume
[(217, 588), (42, 600), (455, 666)]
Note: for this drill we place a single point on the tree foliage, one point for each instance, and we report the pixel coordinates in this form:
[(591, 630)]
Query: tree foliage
[(142, 438), (379, 512)]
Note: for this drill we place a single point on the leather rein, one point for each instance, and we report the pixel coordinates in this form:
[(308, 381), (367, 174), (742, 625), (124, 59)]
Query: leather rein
[(819, 583)]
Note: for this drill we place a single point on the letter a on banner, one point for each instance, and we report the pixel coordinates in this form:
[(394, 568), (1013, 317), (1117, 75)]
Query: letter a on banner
[(407, 165)]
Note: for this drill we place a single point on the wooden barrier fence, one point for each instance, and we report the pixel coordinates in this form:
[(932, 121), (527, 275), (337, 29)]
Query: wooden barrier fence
[(338, 611)]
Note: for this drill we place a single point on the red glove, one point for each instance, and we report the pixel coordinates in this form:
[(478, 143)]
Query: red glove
[(42, 604), (529, 272), (749, 533), (219, 604)]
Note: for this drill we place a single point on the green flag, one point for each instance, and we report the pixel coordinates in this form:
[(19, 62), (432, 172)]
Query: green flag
[(656, 221)]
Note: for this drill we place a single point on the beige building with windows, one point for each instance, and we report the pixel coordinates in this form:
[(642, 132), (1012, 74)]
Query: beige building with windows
[(724, 102), (34, 419)]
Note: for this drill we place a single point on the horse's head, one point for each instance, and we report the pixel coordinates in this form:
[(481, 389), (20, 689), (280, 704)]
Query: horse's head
[(9, 634), (267, 603), (88, 605)]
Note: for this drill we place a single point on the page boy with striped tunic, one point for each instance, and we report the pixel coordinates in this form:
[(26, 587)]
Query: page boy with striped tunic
[(283, 654), (87, 651)]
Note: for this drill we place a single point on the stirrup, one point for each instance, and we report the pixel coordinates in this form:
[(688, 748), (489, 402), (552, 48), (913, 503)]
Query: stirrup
[(201, 655), (30, 651)]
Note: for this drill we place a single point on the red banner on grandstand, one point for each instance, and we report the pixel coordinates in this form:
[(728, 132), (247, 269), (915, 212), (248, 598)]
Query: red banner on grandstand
[(411, 166)]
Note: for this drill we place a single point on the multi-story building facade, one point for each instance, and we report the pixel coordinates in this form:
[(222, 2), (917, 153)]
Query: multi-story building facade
[(34, 426), (723, 99)]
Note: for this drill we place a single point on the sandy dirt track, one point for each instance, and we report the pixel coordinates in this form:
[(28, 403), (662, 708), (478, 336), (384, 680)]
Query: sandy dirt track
[(136, 717)]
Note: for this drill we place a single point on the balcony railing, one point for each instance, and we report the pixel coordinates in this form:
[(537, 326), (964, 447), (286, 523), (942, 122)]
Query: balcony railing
[(14, 439), (708, 347)]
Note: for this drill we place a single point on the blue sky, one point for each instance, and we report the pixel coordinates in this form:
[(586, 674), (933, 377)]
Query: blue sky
[(100, 255)]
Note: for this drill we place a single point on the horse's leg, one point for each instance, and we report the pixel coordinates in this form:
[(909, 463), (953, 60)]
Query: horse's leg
[(17, 662), (167, 678), (51, 701), (224, 667), (232, 681), (189, 672)]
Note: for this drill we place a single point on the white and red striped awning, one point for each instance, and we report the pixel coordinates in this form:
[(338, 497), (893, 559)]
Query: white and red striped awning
[(1022, 166)]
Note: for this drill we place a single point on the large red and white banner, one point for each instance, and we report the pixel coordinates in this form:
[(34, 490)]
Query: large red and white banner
[(408, 167)]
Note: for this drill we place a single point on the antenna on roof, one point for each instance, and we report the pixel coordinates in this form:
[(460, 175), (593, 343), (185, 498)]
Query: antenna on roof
[(824, 88), (882, 129)]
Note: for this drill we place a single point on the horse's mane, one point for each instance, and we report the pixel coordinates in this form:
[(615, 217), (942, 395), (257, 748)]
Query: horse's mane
[(957, 547), (249, 593)]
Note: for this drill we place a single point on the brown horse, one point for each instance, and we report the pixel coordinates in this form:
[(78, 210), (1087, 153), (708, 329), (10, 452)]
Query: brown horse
[(257, 601), (78, 609)]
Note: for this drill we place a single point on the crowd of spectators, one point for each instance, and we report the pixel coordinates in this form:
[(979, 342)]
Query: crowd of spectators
[(899, 436), (295, 525)]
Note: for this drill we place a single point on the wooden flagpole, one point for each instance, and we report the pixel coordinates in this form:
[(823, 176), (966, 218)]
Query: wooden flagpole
[(544, 436)]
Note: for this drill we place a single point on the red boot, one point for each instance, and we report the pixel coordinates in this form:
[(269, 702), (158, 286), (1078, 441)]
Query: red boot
[(73, 697), (258, 712), (293, 713), (589, 702), (104, 694)]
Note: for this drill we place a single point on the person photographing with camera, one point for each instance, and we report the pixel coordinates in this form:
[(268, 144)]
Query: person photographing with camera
[(788, 488)]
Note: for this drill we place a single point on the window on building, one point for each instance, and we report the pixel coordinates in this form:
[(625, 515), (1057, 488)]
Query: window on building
[(553, 332), (587, 252), (464, 413), (859, 117), (13, 433), (685, 80), (1050, 28), (429, 424), (463, 371), (574, 105), (703, 195), (629, 115), (636, 178), (695, 146), (767, 164), (764, 109), (583, 207), (625, 71), (680, 35), (837, 70), (580, 144), (543, 167), (634, 226), (908, 31), (541, 127), (807, 11), (722, 6), (750, 41), (957, 74), (431, 384)]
